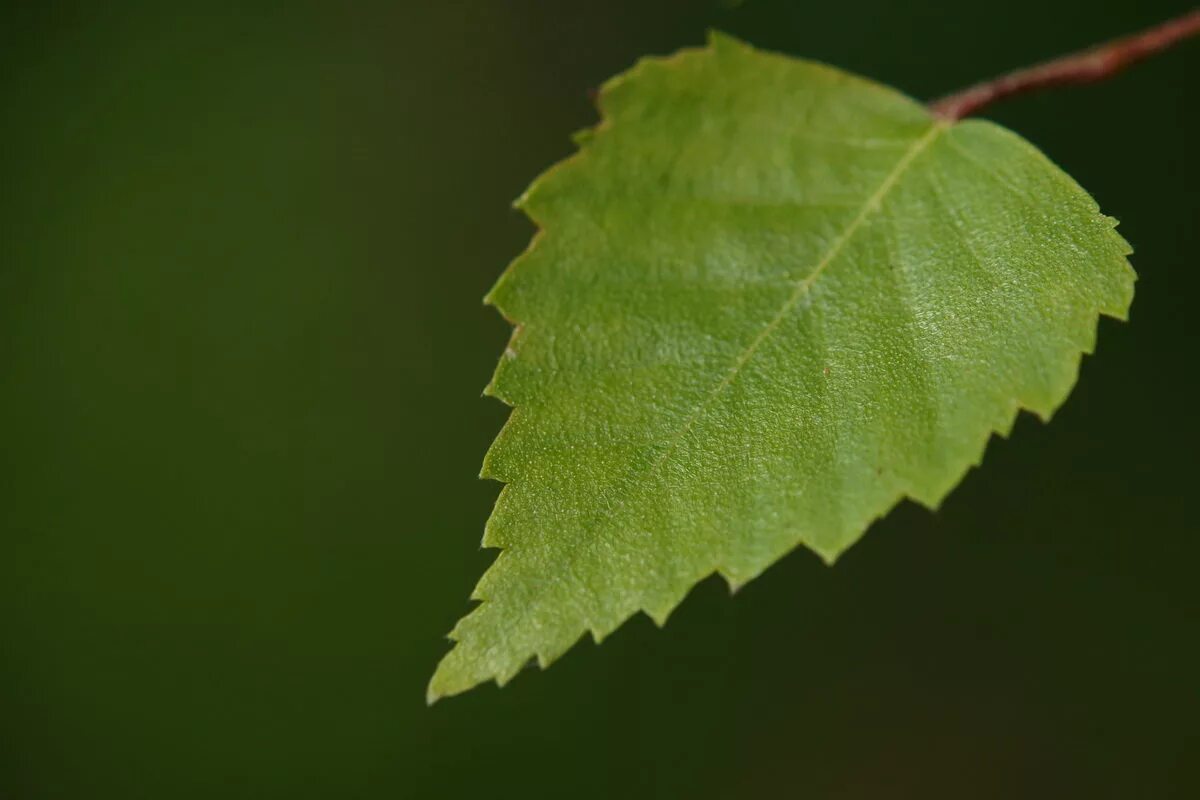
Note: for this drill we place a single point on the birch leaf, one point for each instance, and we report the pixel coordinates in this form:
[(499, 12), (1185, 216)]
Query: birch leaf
[(768, 301)]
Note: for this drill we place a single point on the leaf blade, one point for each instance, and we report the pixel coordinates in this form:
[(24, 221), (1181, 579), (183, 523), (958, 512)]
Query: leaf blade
[(759, 312)]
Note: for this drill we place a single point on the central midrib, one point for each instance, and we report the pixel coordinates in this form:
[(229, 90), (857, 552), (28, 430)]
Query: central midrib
[(802, 287)]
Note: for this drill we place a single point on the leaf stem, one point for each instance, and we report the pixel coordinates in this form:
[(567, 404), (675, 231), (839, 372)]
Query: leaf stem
[(1086, 66)]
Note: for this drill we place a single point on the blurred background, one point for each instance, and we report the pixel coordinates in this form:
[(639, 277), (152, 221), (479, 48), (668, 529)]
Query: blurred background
[(243, 252)]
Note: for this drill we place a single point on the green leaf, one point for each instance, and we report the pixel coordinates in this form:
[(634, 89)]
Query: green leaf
[(768, 301)]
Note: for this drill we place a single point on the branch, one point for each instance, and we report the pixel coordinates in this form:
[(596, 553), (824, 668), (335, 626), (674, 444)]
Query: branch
[(1086, 66)]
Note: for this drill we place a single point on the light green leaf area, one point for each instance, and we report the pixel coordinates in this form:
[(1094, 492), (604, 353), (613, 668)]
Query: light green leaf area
[(768, 301)]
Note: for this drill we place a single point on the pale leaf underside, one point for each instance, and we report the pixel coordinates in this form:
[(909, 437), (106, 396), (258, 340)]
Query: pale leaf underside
[(768, 301)]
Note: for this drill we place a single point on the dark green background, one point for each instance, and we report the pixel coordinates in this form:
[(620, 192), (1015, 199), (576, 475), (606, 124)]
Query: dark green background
[(242, 352)]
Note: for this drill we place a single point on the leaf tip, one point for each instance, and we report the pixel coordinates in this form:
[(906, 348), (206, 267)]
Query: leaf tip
[(437, 689), (457, 673)]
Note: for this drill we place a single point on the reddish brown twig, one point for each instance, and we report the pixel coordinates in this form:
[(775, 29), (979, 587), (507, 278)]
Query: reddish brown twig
[(1086, 66)]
